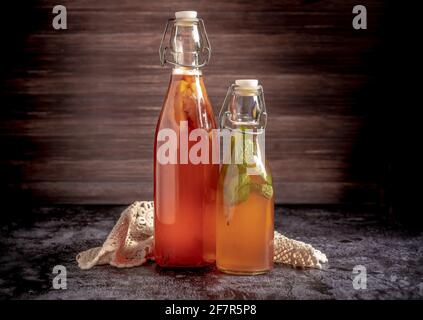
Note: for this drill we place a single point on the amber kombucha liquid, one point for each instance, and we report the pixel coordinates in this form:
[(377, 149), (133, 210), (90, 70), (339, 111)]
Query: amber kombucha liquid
[(185, 194), (245, 233)]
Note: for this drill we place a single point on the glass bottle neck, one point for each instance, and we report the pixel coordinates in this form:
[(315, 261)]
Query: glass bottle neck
[(244, 109), (185, 43)]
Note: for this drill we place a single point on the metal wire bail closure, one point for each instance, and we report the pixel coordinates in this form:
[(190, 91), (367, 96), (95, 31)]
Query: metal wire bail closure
[(165, 51)]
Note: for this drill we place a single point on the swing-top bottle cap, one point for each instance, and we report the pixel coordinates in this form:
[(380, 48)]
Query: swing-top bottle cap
[(186, 14), (184, 42), (247, 83)]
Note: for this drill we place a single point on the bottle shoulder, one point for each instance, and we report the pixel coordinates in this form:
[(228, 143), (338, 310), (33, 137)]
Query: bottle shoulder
[(187, 100)]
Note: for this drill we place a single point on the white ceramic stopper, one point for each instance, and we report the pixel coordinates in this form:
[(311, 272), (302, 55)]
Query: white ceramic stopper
[(247, 83), (186, 14)]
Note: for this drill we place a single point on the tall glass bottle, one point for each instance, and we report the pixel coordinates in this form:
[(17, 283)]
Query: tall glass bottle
[(245, 215), (184, 190)]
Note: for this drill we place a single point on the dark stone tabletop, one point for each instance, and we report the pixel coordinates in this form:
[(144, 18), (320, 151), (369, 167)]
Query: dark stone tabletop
[(30, 248)]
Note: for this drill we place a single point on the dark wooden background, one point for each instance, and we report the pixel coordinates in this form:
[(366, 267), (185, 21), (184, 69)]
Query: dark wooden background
[(79, 106)]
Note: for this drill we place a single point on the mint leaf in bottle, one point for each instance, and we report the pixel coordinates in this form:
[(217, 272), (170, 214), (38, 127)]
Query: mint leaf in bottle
[(266, 190), (236, 185)]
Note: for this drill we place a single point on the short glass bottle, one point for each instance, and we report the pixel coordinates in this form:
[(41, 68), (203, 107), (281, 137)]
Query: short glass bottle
[(245, 215)]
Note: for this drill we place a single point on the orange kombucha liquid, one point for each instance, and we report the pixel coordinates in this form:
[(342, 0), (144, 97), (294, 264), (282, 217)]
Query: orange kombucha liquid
[(245, 234), (185, 194)]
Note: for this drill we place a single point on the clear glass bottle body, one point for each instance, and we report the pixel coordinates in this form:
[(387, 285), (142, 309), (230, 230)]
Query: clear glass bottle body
[(245, 215)]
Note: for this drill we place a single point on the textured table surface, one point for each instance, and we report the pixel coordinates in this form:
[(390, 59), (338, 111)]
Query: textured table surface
[(31, 248)]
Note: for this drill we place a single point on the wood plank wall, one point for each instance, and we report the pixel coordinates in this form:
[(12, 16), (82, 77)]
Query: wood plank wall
[(79, 106)]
